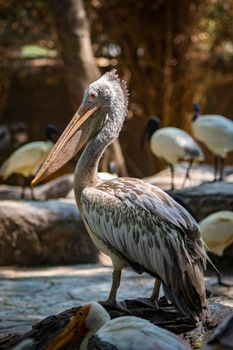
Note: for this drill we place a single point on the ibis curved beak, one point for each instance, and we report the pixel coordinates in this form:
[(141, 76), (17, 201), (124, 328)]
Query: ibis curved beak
[(68, 145)]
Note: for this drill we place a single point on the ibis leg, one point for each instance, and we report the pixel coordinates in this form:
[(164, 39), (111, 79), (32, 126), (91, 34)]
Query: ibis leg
[(32, 194), (187, 172), (22, 196), (221, 283), (172, 176), (221, 168), (216, 159)]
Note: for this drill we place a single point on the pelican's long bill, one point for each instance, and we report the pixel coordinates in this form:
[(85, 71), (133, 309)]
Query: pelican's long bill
[(69, 143)]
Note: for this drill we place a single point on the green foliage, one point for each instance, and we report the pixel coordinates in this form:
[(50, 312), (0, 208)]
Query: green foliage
[(34, 51)]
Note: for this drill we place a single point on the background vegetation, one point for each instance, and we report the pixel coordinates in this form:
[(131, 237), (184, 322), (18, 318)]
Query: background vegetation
[(171, 53)]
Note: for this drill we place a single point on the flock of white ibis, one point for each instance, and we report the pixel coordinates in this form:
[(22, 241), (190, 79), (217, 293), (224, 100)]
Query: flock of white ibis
[(173, 144), (133, 222)]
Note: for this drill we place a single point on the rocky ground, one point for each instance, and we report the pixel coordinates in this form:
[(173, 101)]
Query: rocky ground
[(29, 295), (53, 233)]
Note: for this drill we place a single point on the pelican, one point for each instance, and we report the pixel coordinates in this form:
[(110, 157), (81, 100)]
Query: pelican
[(130, 220), (217, 233), (93, 323), (172, 145), (216, 132), (27, 159)]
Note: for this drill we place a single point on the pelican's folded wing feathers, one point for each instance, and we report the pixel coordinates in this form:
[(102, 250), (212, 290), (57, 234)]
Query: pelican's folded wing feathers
[(142, 224)]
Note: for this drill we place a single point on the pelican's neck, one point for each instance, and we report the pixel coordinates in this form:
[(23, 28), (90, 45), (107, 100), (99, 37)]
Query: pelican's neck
[(86, 171)]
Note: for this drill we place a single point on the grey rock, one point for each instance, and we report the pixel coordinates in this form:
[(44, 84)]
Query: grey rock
[(40, 233)]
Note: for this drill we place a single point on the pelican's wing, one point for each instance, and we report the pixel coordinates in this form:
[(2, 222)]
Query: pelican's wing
[(152, 232)]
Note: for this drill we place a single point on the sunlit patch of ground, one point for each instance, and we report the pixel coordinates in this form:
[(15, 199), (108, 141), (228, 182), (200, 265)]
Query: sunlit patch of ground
[(29, 295)]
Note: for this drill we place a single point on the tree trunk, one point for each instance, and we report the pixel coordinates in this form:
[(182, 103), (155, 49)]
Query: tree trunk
[(74, 34)]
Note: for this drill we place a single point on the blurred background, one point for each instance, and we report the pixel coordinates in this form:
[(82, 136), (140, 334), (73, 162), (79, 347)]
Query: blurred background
[(170, 53)]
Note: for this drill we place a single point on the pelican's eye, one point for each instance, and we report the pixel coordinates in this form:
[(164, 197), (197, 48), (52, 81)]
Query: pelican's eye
[(92, 96)]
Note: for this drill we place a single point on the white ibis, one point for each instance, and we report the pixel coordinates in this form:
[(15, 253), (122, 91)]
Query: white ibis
[(128, 219), (217, 233), (93, 323), (216, 132), (172, 145), (27, 159)]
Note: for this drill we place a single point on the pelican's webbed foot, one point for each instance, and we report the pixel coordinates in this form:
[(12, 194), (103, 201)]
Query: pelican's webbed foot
[(148, 302)]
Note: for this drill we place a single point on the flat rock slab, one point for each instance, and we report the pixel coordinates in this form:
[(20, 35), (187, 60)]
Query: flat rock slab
[(207, 198), (39, 233)]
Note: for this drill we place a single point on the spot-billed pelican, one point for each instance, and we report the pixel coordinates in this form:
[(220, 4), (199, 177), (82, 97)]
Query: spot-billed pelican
[(172, 145), (27, 159), (217, 233), (128, 219), (216, 132), (123, 333)]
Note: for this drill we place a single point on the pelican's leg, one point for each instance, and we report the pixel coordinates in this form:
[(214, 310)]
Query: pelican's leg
[(111, 301), (221, 168), (152, 301), (155, 293), (187, 172), (116, 280), (172, 175)]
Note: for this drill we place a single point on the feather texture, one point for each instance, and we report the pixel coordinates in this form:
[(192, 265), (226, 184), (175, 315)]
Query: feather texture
[(152, 233)]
